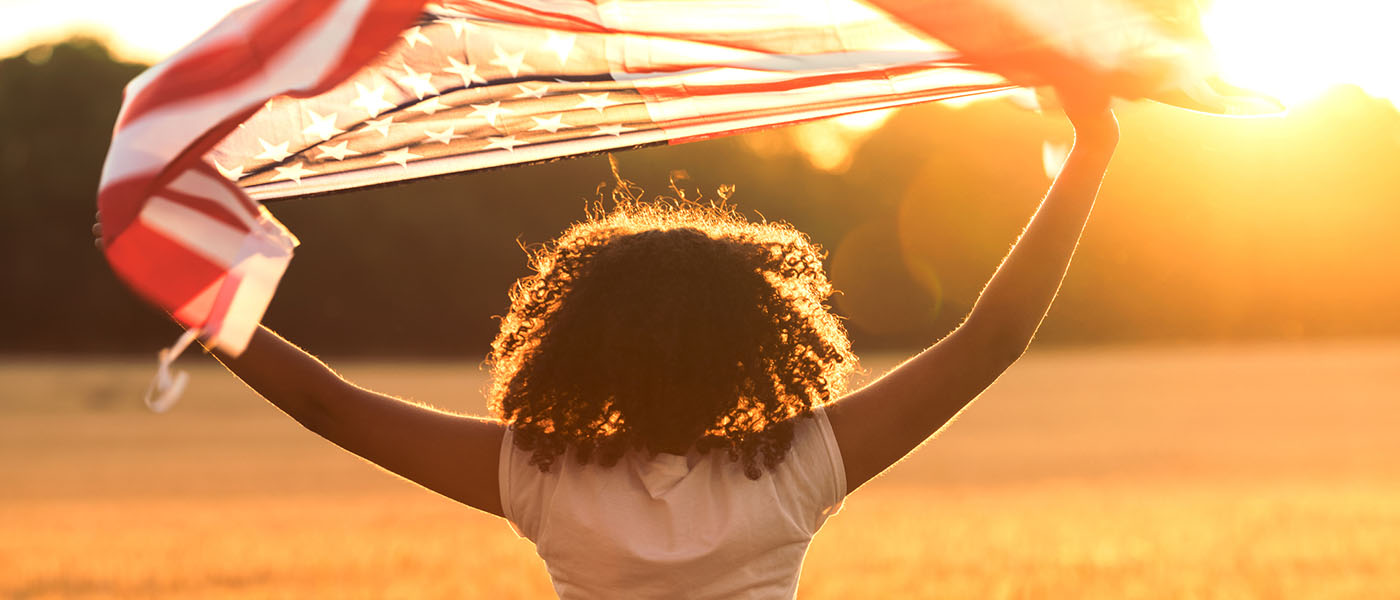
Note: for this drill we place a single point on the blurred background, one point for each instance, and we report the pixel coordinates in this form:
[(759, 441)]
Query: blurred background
[(1207, 412)]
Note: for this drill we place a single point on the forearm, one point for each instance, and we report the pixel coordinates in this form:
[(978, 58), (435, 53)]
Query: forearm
[(1018, 296), (454, 455), (287, 376)]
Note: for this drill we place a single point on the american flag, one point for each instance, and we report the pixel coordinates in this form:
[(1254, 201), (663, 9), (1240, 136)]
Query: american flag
[(298, 97)]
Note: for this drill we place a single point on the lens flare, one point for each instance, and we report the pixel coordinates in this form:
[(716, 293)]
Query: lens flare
[(1295, 50)]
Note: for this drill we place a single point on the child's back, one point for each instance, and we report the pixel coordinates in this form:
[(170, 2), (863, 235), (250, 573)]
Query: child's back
[(673, 526)]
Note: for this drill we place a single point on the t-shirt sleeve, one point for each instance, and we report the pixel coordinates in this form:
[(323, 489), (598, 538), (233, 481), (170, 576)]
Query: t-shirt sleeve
[(523, 488), (817, 471)]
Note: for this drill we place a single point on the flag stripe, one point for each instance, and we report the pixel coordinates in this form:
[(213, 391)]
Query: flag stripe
[(173, 228), (210, 238), (292, 98), (212, 195), (216, 68), (157, 133)]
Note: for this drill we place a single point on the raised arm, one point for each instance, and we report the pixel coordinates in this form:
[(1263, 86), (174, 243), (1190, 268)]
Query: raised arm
[(454, 455), (879, 424)]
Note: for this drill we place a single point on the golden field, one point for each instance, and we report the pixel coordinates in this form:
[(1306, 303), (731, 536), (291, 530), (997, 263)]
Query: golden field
[(1223, 472)]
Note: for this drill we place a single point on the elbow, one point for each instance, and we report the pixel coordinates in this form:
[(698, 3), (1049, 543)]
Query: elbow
[(1004, 351), (311, 408)]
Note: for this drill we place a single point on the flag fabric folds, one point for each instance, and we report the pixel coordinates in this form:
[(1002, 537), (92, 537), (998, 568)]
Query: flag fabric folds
[(298, 97)]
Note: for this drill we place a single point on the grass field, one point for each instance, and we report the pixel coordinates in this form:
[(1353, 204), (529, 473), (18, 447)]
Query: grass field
[(1244, 472)]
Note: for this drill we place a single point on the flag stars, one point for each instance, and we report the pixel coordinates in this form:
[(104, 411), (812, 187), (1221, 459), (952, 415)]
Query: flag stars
[(294, 172), (336, 151), (380, 125), (415, 35), (507, 143), (598, 101), (429, 106), (561, 44), (513, 62), (459, 26), (614, 129), (372, 101), (233, 174), (420, 83), (552, 124), (444, 137), (276, 153), (531, 92), (321, 126), (489, 111), (465, 71), (399, 157)]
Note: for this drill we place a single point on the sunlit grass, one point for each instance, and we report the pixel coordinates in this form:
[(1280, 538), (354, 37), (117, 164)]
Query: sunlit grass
[(1253, 473)]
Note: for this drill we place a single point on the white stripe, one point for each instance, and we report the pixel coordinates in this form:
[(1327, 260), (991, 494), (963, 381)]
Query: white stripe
[(262, 260), (149, 143), (232, 27), (211, 238), (199, 184)]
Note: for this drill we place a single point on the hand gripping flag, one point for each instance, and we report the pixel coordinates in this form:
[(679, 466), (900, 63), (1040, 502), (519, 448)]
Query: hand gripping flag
[(299, 97)]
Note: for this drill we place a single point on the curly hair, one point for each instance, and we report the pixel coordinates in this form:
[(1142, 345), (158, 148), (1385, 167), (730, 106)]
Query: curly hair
[(664, 325)]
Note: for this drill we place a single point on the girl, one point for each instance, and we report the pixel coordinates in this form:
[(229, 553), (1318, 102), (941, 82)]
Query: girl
[(669, 412)]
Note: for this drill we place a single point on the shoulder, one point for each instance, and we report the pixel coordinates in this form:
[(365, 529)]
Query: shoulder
[(813, 472)]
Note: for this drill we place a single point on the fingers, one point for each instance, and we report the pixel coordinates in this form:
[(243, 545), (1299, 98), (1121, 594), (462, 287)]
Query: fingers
[(97, 231)]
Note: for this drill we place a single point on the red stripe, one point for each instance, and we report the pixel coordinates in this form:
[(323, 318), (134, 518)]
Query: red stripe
[(206, 206), (161, 270), (120, 202), (235, 192), (195, 75), (688, 90), (158, 268), (921, 96), (378, 28), (512, 11), (198, 311)]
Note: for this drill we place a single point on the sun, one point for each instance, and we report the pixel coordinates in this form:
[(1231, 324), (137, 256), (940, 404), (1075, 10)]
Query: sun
[(1295, 50)]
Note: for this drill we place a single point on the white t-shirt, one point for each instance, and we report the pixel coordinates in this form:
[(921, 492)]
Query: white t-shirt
[(676, 526)]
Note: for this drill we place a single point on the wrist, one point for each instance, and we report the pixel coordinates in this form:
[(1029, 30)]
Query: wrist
[(1099, 136)]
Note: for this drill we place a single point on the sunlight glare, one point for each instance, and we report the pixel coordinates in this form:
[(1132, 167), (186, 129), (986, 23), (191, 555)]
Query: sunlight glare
[(830, 145), (1296, 50), (140, 30)]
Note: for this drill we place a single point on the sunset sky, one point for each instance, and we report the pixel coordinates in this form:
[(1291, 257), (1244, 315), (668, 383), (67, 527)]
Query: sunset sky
[(1292, 49)]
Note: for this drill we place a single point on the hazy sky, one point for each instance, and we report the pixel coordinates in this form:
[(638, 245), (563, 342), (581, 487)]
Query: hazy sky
[(1293, 49), (144, 30)]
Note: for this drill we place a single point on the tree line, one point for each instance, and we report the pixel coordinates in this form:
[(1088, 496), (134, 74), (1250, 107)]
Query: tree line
[(1207, 229)]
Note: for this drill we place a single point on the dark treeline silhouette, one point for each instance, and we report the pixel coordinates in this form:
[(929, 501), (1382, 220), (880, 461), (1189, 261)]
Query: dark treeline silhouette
[(1208, 229)]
